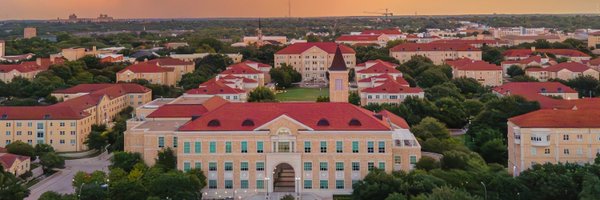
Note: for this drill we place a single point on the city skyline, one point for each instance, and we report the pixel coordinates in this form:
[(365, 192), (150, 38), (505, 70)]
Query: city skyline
[(36, 9)]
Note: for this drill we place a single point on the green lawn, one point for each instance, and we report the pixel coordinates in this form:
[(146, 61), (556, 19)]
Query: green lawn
[(302, 94)]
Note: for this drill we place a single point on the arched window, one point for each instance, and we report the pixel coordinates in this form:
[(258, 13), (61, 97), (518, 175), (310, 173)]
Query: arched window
[(248, 122), (323, 122), (284, 131), (214, 123), (354, 122)]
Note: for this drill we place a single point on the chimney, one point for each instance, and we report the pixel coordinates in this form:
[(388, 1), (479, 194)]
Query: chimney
[(38, 61), (533, 48), (94, 49)]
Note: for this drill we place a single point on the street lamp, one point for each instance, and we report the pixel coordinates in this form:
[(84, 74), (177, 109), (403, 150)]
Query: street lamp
[(267, 179), (485, 189), (297, 187)]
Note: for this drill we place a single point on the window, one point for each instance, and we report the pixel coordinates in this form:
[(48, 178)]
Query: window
[(197, 147), (244, 184), (566, 151), (198, 165), (307, 148), (533, 151), (7, 132), (370, 146), (227, 147), (186, 166), (244, 166), (355, 166), (62, 124), (579, 137), (370, 166), (259, 147), (8, 124), (260, 166), (381, 148), (307, 166), (354, 146), (397, 160), (19, 124), (339, 166), (307, 184), (546, 151), (228, 184), (40, 125), (161, 142), (212, 166), (19, 132), (212, 184), (565, 137), (382, 165), (174, 141), (339, 184), (260, 184), (413, 160), (339, 147), (186, 147), (323, 146), (323, 184), (244, 145), (323, 166), (228, 166), (213, 147)]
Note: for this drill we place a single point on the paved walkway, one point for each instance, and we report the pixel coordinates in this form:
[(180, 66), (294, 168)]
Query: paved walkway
[(61, 181)]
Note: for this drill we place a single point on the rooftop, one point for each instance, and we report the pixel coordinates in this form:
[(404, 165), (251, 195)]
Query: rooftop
[(329, 47)]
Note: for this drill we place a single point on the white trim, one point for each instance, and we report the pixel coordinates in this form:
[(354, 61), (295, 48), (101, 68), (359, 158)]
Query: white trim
[(283, 116)]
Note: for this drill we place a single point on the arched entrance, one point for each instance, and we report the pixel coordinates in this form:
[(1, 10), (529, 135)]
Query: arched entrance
[(284, 178)]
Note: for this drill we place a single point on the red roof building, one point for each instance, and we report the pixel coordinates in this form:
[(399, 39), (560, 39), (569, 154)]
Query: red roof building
[(484, 72), (437, 52), (564, 71), (329, 47)]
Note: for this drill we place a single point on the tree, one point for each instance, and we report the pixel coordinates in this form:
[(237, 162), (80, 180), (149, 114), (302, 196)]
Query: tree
[(96, 140), (444, 90), (125, 160), (261, 94), (591, 187), (492, 54), (451, 112), (462, 160), (587, 86), (41, 149), (430, 127), (322, 99), (427, 163), (376, 185), (175, 185), (432, 77), (284, 76), (51, 160), (166, 159), (515, 70), (51, 195), (494, 151), (192, 80), (288, 197), (448, 193), (10, 188), (21, 148), (396, 196), (354, 98)]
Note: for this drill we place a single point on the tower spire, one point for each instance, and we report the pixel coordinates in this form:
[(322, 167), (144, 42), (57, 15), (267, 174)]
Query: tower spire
[(338, 63)]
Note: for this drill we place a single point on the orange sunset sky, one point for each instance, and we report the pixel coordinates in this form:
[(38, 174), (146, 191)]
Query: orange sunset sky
[(51, 9)]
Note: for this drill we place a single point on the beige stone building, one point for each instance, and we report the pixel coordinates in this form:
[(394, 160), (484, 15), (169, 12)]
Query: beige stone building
[(15, 164), (65, 125), (570, 54), (594, 40), (564, 71), (312, 59), (438, 53), (29, 32), (553, 136), (485, 73), (386, 88), (164, 71), (364, 40), (28, 69), (72, 54)]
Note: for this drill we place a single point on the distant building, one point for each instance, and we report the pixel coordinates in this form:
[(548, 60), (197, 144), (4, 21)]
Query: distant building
[(312, 59), (571, 54), (474, 42), (533, 61), (564, 71), (594, 40), (72, 54), (386, 88), (235, 57), (29, 32), (363, 40), (2, 48), (175, 45), (392, 34), (438, 53), (229, 88), (485, 73), (27, 69), (516, 39), (546, 93), (260, 39), (163, 71), (102, 18), (15, 164)]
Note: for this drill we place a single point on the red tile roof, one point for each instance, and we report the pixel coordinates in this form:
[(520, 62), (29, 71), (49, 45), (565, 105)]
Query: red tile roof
[(562, 118), (8, 159), (384, 77), (30, 66), (241, 68), (328, 47), (187, 110), (230, 77), (259, 64), (532, 92), (168, 62), (392, 86), (40, 112), (395, 119), (474, 65), (112, 89), (571, 66), (531, 37), (214, 86), (537, 59), (391, 31), (362, 38), (145, 68), (528, 52), (594, 62), (379, 68), (432, 47), (230, 116), (378, 61), (597, 33), (470, 42)]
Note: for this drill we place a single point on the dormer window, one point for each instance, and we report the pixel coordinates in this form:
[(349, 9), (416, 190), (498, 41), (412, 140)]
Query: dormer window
[(47, 116), (354, 122), (4, 116), (214, 123), (248, 122), (543, 90), (323, 122)]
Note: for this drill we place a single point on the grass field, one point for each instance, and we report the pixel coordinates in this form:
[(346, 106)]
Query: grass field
[(302, 94)]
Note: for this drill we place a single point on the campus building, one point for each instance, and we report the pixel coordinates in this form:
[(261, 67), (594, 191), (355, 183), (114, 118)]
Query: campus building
[(266, 150), (164, 71), (312, 59), (65, 125), (380, 82), (564, 71), (438, 53), (485, 73), (28, 69)]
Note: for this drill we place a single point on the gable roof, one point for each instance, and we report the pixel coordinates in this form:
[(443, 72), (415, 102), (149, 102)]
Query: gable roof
[(230, 116), (168, 61), (395, 119), (384, 77), (111, 89), (8, 159), (391, 86), (559, 118), (145, 68), (391, 31), (571, 66), (329, 47), (214, 86), (240, 68), (470, 42), (363, 38), (472, 65), (432, 47), (528, 52), (56, 111)]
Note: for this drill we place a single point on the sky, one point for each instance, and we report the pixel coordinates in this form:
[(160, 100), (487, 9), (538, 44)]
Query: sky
[(52, 9)]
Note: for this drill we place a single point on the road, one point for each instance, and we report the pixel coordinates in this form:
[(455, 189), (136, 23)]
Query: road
[(61, 181)]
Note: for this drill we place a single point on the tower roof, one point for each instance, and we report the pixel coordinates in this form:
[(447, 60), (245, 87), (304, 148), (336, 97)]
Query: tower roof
[(338, 63)]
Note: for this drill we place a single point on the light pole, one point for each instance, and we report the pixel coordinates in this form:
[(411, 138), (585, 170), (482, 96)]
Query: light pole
[(267, 179), (485, 190), (298, 188)]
